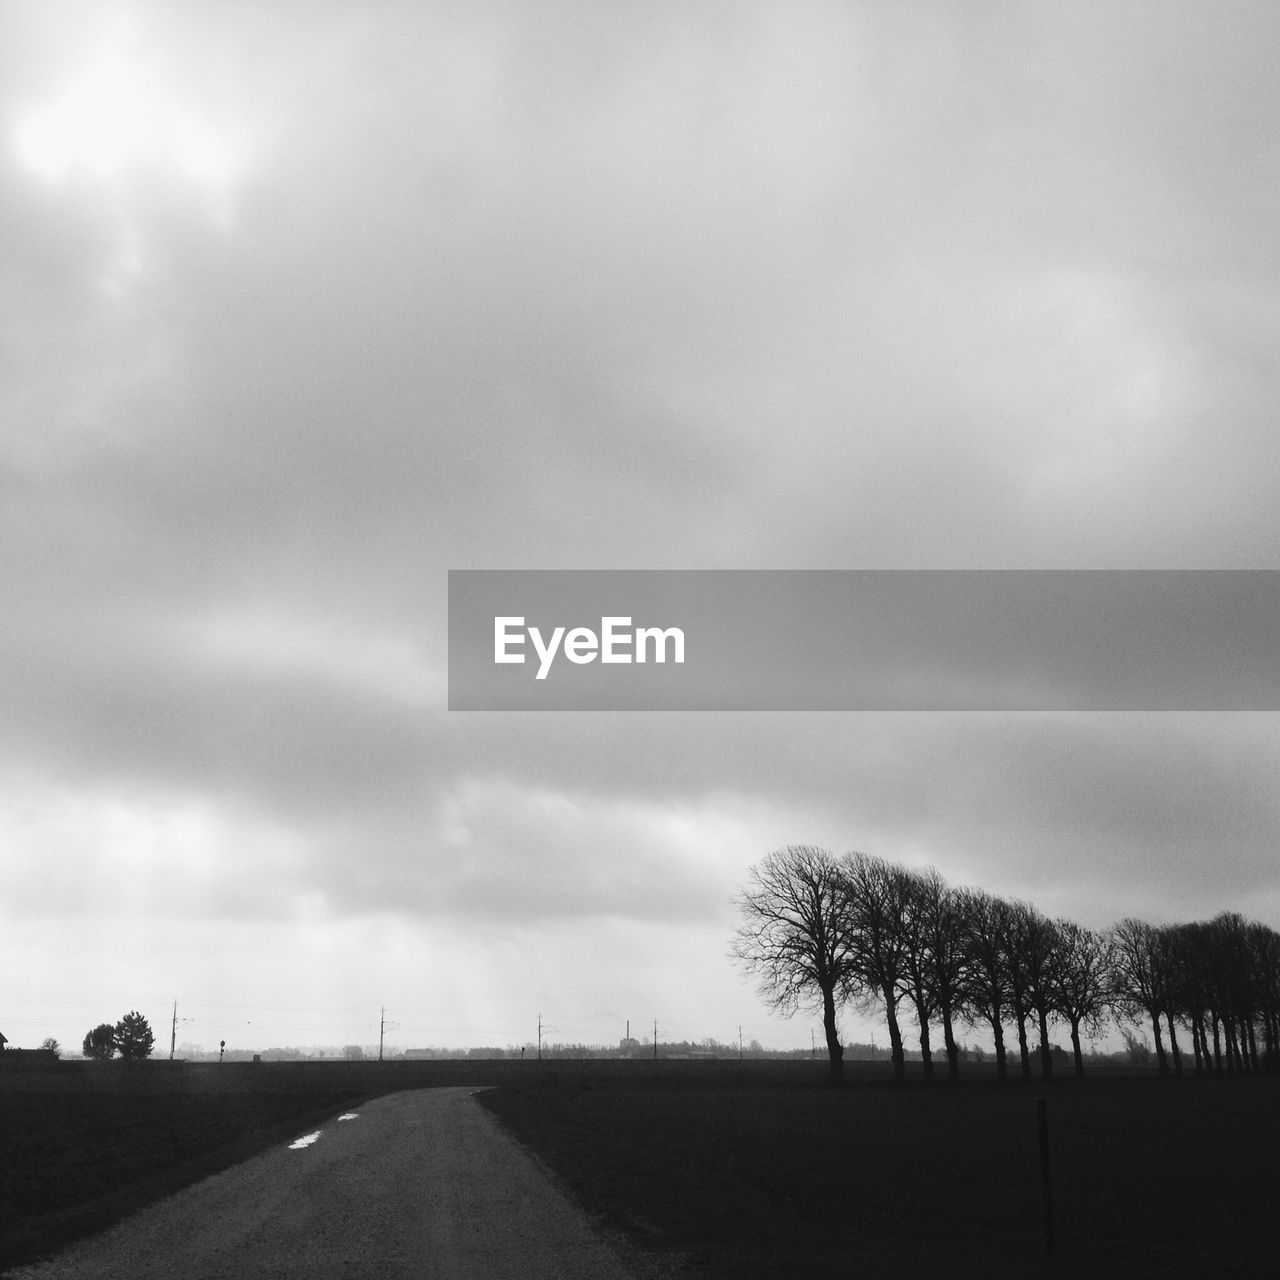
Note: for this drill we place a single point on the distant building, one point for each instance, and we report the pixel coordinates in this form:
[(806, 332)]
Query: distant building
[(15, 1059), (630, 1047)]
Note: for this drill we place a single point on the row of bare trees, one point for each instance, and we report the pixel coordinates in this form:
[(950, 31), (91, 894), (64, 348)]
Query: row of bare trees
[(822, 931)]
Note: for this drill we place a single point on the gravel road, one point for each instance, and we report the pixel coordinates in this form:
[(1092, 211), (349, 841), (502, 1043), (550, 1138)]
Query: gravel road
[(423, 1184)]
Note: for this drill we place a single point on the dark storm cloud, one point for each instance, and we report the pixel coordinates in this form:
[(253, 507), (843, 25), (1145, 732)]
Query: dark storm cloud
[(405, 288)]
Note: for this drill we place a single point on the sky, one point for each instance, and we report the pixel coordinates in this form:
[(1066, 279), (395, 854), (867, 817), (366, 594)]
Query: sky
[(304, 305)]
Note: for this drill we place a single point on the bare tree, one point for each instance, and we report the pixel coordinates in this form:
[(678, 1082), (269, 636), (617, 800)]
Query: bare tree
[(1025, 955), (877, 893), (916, 984), (1168, 969), (986, 993), (936, 934), (796, 937), (1264, 944), (1227, 967), (1187, 948), (1140, 978), (1081, 981), (1039, 958)]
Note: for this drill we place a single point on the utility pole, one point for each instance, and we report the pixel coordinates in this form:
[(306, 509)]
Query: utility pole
[(173, 1031), (539, 1037), (655, 1039), (739, 1042), (383, 1027)]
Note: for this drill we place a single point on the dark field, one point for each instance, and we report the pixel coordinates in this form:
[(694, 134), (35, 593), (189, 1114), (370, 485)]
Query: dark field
[(751, 1169), (80, 1149), (84, 1144), (748, 1177)]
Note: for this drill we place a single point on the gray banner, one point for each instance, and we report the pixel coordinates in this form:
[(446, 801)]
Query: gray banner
[(864, 640)]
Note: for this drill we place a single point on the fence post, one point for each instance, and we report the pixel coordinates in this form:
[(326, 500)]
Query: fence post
[(1046, 1179)]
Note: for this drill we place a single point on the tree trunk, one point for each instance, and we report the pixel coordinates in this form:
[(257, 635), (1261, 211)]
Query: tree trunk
[(1173, 1046), (1076, 1050), (1046, 1058), (926, 1052), (1199, 1044), (895, 1035), (953, 1049), (1233, 1049), (997, 1033), (1162, 1059), (1023, 1050), (835, 1050)]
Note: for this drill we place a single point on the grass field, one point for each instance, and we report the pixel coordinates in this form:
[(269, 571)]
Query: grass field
[(747, 1176), (751, 1169)]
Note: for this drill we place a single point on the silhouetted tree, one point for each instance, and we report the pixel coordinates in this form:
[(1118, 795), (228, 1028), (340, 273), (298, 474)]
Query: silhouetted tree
[(1214, 956), (1187, 951), (1026, 956), (917, 978), (50, 1045), (876, 896), (1237, 988), (985, 982), (934, 961), (133, 1037), (100, 1043), (795, 937), (1039, 956), (817, 931), (1168, 969), (1081, 981), (1264, 946), (1140, 978)]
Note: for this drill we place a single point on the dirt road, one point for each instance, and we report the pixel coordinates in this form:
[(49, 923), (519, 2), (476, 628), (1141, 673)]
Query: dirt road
[(421, 1184)]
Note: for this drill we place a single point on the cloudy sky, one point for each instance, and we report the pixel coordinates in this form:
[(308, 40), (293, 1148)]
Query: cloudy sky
[(303, 305)]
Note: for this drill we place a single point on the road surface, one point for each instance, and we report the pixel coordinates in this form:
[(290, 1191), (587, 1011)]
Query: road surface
[(422, 1183)]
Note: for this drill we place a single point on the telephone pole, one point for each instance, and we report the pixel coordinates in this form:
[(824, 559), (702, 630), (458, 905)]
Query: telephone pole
[(173, 1030), (383, 1027)]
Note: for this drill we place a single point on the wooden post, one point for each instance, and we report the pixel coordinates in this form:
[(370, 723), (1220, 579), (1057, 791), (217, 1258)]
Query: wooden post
[(1046, 1179)]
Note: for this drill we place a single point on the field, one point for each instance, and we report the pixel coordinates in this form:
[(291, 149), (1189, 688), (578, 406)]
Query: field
[(767, 1174), (751, 1169)]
